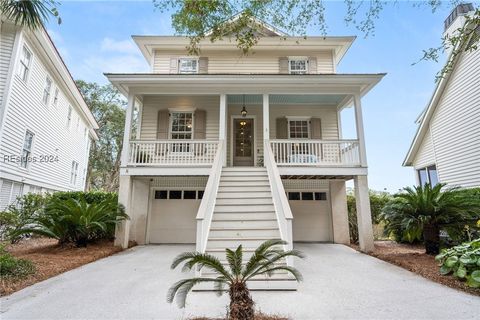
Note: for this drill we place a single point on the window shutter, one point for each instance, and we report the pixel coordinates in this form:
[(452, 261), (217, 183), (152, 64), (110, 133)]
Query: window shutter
[(283, 64), (282, 128), (199, 125), (162, 124), (203, 65), (312, 65), (316, 128), (174, 65)]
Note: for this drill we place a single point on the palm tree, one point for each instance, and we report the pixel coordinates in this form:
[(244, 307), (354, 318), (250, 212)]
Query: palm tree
[(424, 210), (29, 13), (264, 260)]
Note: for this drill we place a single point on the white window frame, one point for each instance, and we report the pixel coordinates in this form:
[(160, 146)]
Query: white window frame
[(55, 97), (28, 152), (69, 116), (188, 71), (290, 119), (297, 59), (74, 173), (47, 90), (170, 129), (23, 71), (427, 174)]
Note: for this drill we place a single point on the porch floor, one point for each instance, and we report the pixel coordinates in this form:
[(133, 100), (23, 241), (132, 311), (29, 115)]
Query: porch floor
[(339, 283)]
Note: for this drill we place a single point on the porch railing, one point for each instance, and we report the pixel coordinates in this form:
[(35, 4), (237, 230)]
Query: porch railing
[(316, 152), (172, 152)]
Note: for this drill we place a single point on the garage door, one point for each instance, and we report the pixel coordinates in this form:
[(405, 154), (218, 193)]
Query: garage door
[(311, 216), (172, 216)]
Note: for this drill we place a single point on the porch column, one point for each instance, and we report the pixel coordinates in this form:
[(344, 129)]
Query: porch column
[(222, 126), (139, 210), (122, 230), (128, 129), (360, 131), (338, 199), (364, 215), (266, 116)]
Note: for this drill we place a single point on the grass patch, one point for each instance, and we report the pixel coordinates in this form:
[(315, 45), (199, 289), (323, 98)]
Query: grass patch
[(14, 268)]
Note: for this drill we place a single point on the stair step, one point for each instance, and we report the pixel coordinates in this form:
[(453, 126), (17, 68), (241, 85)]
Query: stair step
[(222, 233), (242, 188), (245, 194), (244, 174), (242, 184), (243, 224), (243, 178), (230, 242), (244, 201), (229, 169), (254, 208), (244, 216), (258, 284)]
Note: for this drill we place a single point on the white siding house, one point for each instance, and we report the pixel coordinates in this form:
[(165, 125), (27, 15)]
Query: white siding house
[(446, 147), (236, 149), (46, 128)]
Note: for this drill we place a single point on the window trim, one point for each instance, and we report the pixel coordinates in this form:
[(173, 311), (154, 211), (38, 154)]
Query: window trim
[(307, 119), (27, 163), (170, 125), (292, 59), (182, 190), (56, 93), (74, 173), (179, 62), (69, 116), (27, 67), (427, 169), (46, 94)]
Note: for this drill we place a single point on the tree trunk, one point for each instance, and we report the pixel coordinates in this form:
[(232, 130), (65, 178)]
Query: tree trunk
[(431, 236), (241, 303)]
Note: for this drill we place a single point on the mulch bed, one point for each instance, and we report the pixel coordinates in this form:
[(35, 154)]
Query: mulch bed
[(50, 259), (258, 316), (414, 259)]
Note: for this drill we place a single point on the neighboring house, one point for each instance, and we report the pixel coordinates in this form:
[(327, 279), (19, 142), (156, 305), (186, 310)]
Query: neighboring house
[(45, 126), (446, 147), (234, 149)]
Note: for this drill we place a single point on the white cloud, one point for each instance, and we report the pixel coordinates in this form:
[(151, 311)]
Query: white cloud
[(120, 46)]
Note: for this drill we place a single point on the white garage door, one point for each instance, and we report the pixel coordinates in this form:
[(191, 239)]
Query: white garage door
[(311, 216), (172, 216)]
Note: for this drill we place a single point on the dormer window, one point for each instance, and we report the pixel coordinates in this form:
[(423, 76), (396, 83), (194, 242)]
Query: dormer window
[(188, 65), (297, 65)]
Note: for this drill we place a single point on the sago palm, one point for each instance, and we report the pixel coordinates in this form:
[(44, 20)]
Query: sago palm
[(423, 210), (266, 259)]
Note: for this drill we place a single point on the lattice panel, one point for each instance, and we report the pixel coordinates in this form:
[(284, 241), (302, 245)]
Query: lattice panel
[(180, 182), (304, 184)]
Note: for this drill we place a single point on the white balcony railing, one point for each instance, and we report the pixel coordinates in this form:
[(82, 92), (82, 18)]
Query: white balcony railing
[(172, 152), (316, 152)]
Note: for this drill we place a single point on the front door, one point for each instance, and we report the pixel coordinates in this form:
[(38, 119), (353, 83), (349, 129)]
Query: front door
[(243, 142)]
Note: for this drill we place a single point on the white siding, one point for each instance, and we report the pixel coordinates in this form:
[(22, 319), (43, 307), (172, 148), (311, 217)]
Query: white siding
[(233, 62), (7, 39), (26, 111), (425, 154)]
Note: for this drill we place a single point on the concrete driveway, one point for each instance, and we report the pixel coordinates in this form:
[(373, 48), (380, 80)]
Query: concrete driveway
[(340, 283)]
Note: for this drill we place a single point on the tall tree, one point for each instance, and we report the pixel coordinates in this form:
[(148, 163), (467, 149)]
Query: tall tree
[(201, 19), (31, 14), (108, 108)]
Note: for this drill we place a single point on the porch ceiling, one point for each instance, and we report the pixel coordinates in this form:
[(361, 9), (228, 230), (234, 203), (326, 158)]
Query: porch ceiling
[(289, 99)]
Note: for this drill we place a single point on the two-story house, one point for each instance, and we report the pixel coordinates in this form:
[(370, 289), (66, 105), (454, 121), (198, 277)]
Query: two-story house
[(446, 146), (236, 149), (46, 128)]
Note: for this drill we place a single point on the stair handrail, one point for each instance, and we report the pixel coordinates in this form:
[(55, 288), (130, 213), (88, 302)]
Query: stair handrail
[(282, 207), (207, 205)]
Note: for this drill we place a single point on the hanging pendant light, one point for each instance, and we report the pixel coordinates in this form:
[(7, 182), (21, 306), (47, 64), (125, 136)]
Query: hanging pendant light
[(244, 110)]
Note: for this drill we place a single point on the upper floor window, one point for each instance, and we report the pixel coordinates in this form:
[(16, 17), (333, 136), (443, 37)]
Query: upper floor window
[(55, 97), (26, 149), (297, 65), (298, 129), (74, 173), (69, 116), (428, 175), (188, 65), (46, 90), (25, 62), (181, 125)]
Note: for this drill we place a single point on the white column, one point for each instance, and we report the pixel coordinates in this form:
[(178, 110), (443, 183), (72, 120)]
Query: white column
[(122, 230), (359, 126), (338, 200), (138, 219), (266, 117), (222, 126), (128, 129), (364, 215)]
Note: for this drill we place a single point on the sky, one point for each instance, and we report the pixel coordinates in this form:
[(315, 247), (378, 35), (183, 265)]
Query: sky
[(95, 37)]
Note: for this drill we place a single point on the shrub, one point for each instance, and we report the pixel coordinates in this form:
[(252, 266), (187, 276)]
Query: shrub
[(11, 267), (89, 197), (23, 212), (463, 262), (72, 220)]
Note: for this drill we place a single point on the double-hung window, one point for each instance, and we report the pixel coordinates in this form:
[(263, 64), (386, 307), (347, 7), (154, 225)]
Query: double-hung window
[(69, 116), (46, 90), (55, 97), (26, 149), (188, 65), (181, 128), (74, 173), (297, 65), (25, 62), (298, 128), (428, 175)]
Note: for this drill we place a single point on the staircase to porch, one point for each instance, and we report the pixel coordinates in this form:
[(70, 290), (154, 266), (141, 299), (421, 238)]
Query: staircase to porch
[(244, 213)]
